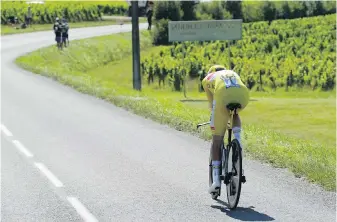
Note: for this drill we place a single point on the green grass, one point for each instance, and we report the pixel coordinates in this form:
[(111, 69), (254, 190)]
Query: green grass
[(301, 118), (107, 20), (294, 130)]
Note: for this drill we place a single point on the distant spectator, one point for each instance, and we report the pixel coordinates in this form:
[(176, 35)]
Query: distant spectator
[(202, 75), (23, 26), (149, 13), (11, 20), (29, 17)]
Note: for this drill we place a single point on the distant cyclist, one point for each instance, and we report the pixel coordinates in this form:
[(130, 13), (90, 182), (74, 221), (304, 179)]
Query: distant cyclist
[(223, 87), (65, 29), (58, 31)]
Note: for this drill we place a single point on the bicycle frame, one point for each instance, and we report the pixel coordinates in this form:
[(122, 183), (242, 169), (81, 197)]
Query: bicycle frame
[(229, 125), (226, 171), (224, 148)]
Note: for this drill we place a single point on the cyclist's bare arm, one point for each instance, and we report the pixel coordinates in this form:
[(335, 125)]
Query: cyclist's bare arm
[(205, 84)]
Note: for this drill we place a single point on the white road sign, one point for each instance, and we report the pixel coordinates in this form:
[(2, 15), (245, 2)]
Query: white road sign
[(206, 30)]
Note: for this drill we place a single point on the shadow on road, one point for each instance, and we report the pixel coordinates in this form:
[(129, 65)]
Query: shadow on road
[(243, 214), (193, 100), (204, 100)]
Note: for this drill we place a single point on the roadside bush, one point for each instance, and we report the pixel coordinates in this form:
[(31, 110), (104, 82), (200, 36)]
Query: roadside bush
[(163, 12), (160, 34)]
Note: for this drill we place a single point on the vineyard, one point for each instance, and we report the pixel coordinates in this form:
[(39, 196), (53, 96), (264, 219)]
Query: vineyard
[(287, 53), (74, 11)]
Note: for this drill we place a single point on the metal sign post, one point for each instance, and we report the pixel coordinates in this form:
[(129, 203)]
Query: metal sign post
[(135, 47), (205, 30), (185, 72), (229, 54)]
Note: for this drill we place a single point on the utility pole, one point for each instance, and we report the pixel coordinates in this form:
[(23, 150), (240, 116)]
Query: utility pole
[(135, 46)]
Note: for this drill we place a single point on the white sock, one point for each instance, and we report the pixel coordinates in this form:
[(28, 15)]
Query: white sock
[(237, 134), (216, 169)]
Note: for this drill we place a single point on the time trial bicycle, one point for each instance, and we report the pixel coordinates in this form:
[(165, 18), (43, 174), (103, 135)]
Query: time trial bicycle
[(231, 163)]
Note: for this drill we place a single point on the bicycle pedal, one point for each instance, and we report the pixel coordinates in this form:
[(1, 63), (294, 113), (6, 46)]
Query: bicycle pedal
[(243, 179), (226, 179)]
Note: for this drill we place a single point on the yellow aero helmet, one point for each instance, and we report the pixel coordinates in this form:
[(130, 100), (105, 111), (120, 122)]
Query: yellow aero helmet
[(216, 68)]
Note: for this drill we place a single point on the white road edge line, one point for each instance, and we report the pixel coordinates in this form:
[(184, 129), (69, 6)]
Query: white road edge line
[(82, 210), (5, 130), (22, 149), (49, 175)]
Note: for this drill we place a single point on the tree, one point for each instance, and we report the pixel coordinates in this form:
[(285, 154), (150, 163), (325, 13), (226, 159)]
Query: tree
[(188, 8), (329, 6), (217, 11), (163, 12), (298, 10), (269, 11), (310, 6), (212, 10), (286, 10), (167, 10), (319, 10), (235, 8)]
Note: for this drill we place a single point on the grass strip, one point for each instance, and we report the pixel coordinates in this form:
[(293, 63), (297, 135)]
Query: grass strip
[(102, 75)]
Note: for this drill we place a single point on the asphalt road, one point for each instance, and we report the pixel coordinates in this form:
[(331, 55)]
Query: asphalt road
[(71, 157)]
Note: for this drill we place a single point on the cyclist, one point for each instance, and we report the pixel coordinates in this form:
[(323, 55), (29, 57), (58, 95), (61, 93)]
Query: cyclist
[(223, 87), (65, 29)]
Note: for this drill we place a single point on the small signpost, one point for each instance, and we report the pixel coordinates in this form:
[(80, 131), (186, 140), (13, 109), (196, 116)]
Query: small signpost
[(205, 30), (137, 85)]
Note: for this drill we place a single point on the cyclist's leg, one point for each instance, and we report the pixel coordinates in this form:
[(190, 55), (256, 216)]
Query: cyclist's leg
[(65, 39), (237, 126), (219, 119), (57, 39)]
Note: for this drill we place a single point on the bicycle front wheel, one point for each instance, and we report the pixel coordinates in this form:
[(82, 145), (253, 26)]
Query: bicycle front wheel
[(234, 164)]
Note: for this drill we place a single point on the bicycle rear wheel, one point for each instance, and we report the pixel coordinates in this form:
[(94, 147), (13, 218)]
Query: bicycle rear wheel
[(234, 174)]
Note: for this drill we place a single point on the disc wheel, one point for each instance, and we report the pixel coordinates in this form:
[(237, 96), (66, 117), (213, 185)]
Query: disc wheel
[(235, 174)]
